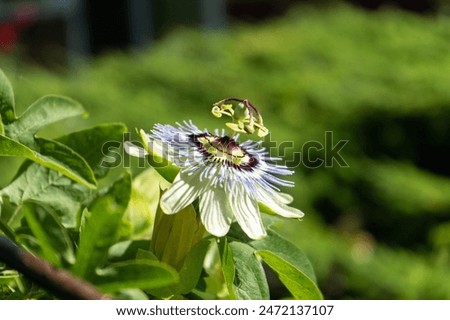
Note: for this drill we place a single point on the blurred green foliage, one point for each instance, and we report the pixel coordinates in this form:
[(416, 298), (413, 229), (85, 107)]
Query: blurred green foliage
[(374, 230)]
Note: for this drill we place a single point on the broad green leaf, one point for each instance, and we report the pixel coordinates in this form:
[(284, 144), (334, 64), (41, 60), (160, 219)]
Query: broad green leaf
[(7, 113), (175, 235), (53, 155), (289, 255), (69, 162), (243, 273), (96, 145), (250, 281), (287, 250), (192, 267), (101, 227), (18, 134), (295, 280), (49, 188), (53, 238), (135, 274), (45, 111)]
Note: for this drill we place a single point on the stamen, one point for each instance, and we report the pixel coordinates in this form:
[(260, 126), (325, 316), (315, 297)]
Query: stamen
[(246, 117)]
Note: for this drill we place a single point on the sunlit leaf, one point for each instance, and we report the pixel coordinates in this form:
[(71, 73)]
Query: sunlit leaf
[(250, 280), (286, 250), (243, 272), (98, 145), (51, 188), (53, 155), (294, 279), (17, 135), (48, 187), (8, 277), (143, 204), (101, 226), (45, 111)]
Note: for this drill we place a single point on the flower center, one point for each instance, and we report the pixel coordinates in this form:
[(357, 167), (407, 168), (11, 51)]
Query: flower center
[(224, 150)]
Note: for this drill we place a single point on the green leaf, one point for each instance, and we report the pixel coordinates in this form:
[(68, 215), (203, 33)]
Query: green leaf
[(4, 223), (49, 188), (295, 280), (7, 113), (53, 238), (45, 111), (135, 274), (66, 161), (8, 278), (127, 250), (243, 273), (250, 281), (18, 134), (94, 144), (192, 267), (286, 257), (146, 254), (101, 227), (287, 250), (53, 155), (228, 269), (130, 294), (144, 202)]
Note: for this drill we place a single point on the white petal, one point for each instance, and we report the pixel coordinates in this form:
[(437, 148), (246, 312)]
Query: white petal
[(246, 212), (215, 211), (274, 202), (285, 197), (184, 190), (133, 150)]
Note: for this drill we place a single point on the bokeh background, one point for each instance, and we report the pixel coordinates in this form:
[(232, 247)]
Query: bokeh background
[(374, 72)]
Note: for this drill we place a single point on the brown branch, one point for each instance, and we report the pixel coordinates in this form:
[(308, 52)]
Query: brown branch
[(59, 282)]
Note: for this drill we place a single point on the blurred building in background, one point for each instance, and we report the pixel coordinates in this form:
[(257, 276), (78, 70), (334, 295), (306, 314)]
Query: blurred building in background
[(56, 32), (69, 28)]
